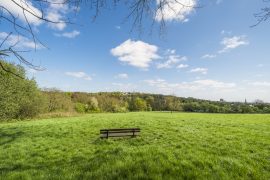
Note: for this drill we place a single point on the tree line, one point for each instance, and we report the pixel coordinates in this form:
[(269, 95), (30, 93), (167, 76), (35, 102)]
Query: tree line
[(21, 98)]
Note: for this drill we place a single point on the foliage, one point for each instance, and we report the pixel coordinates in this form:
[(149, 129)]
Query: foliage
[(112, 102), (170, 146), (58, 101), (19, 97), (137, 104), (80, 108), (124, 102), (92, 105)]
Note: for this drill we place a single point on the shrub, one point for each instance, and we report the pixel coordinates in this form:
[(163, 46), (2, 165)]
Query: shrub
[(80, 108), (19, 97), (58, 101), (138, 104), (119, 109), (92, 105)]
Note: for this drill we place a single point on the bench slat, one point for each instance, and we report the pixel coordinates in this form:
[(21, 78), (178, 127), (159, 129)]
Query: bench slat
[(118, 134), (120, 129), (106, 133)]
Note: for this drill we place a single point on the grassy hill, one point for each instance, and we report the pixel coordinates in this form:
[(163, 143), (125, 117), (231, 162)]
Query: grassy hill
[(171, 146)]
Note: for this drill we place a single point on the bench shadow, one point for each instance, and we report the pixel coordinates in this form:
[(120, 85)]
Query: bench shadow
[(125, 141)]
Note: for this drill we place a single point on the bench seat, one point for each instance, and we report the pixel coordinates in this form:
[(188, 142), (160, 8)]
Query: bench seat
[(132, 132)]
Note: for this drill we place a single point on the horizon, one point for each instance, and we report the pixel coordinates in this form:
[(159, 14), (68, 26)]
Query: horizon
[(217, 100)]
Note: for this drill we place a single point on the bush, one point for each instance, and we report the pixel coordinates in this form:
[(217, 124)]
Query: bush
[(92, 105), (58, 101), (19, 97), (138, 104), (80, 108), (119, 109)]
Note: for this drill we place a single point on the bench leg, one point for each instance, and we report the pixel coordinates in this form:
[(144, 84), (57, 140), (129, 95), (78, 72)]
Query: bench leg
[(133, 133)]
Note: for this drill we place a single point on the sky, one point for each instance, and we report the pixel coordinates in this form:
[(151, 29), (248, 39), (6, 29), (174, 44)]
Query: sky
[(209, 52)]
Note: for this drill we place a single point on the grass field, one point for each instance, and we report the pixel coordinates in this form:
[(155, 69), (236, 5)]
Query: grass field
[(171, 146)]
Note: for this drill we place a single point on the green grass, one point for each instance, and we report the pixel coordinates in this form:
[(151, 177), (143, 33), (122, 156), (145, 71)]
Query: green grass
[(171, 146)]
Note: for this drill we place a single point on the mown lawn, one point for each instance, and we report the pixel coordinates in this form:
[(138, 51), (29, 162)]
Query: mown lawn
[(171, 146)]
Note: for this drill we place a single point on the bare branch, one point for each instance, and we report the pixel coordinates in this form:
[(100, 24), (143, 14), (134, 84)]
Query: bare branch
[(262, 16), (10, 72), (139, 11)]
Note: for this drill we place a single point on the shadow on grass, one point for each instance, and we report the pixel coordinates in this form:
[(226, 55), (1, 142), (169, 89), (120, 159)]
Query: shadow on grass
[(10, 135), (129, 141)]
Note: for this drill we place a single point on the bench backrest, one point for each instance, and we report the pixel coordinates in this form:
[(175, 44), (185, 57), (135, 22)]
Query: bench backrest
[(106, 133)]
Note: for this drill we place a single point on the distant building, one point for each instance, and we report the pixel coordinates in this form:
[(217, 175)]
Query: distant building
[(258, 101)]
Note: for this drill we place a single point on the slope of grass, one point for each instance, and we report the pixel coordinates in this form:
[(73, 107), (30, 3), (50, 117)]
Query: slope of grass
[(171, 146)]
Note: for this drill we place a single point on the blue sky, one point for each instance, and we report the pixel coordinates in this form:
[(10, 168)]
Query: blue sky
[(208, 53)]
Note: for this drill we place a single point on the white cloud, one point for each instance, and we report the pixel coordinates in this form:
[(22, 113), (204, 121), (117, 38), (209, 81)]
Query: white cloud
[(20, 41), (171, 61), (117, 84), (121, 76), (259, 75), (208, 56), (56, 12), (157, 82), (71, 34), (260, 65), (224, 32), (197, 85), (214, 84), (26, 15), (233, 42), (175, 10), (118, 27), (56, 17), (136, 53), (260, 83), (199, 70), (123, 87), (170, 51), (181, 66), (228, 44), (81, 75), (186, 20)]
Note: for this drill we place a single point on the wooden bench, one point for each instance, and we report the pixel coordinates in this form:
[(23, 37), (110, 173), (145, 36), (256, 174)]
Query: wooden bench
[(106, 133)]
